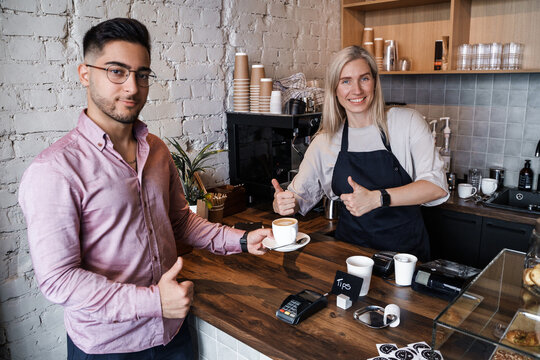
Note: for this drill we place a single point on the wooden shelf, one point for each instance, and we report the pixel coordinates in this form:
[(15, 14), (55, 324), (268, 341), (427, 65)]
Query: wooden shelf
[(439, 72), (416, 24), (387, 4)]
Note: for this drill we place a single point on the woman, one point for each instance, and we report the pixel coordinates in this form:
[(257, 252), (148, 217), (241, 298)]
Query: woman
[(381, 164)]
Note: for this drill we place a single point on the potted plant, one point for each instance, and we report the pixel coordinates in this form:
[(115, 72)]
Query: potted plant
[(187, 169)]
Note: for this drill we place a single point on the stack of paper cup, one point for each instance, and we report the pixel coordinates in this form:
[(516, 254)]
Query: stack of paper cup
[(367, 35), (265, 94), (378, 45), (241, 83), (257, 73), (368, 45), (275, 102)]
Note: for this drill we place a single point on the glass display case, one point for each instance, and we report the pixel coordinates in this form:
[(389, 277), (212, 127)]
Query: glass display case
[(494, 317)]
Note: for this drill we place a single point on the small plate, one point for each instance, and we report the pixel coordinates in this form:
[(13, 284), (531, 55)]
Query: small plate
[(271, 243)]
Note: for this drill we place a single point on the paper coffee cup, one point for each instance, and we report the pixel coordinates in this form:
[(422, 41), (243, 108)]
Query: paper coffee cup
[(404, 265), (361, 266)]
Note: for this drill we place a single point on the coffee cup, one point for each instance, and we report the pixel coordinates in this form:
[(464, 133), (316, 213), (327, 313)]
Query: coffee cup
[(285, 230), (361, 266), (404, 265), (489, 186), (466, 190)]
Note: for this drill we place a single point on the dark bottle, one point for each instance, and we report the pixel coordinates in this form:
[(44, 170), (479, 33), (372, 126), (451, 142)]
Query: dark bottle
[(526, 177)]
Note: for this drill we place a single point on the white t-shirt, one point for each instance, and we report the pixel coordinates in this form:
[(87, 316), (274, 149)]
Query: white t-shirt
[(410, 141)]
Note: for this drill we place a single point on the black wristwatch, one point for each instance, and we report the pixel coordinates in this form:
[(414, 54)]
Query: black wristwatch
[(385, 198), (243, 242)]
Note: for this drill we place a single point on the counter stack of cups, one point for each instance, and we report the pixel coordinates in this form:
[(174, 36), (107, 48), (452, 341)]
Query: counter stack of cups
[(265, 94), (257, 73), (241, 83), (378, 44)]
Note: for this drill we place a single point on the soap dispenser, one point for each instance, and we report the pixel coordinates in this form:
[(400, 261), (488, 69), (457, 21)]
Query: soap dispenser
[(526, 177), (445, 151), (433, 123)]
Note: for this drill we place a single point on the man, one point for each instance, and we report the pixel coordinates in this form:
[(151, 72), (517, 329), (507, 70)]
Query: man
[(105, 211)]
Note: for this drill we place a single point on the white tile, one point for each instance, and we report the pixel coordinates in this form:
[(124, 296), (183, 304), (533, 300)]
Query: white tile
[(207, 346), (226, 339), (226, 353), (247, 352), (206, 328)]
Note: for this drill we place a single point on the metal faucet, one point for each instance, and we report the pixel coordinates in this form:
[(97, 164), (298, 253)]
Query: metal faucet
[(537, 153)]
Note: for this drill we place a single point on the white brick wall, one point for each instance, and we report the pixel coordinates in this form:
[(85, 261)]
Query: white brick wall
[(194, 43)]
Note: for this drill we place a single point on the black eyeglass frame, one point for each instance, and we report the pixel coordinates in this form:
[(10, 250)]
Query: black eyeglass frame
[(152, 75)]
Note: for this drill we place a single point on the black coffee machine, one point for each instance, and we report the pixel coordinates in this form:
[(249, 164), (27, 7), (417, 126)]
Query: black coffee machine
[(267, 146)]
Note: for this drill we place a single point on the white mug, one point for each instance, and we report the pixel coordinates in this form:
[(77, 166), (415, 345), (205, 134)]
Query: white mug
[(466, 190), (285, 230), (489, 186)]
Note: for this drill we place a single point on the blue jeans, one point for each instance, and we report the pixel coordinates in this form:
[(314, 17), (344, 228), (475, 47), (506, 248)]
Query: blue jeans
[(180, 348)]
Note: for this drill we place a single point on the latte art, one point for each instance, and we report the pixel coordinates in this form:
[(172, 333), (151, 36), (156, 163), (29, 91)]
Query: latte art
[(284, 222)]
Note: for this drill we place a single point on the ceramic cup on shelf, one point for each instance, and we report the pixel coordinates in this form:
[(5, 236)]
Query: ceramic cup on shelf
[(361, 266)]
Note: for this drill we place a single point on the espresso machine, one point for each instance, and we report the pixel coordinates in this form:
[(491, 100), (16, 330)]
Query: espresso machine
[(267, 146)]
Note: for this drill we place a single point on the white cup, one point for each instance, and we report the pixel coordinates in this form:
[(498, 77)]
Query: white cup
[(285, 230), (392, 309), (489, 186), (361, 266), (275, 102), (466, 190), (404, 265)]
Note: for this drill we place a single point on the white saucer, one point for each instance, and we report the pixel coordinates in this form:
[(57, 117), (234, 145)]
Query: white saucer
[(271, 243)]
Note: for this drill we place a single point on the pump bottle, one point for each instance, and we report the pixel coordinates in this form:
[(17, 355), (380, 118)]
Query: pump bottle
[(445, 151), (526, 177), (433, 130)]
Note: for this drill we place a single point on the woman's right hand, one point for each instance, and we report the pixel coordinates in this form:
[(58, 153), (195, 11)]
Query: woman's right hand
[(284, 201)]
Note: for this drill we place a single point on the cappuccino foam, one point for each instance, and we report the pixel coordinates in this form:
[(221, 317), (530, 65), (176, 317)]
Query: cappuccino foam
[(284, 222)]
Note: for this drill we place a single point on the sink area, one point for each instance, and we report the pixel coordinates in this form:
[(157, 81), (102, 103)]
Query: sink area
[(516, 200)]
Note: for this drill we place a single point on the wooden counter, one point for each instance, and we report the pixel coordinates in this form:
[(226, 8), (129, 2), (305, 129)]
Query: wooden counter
[(455, 203), (240, 294)]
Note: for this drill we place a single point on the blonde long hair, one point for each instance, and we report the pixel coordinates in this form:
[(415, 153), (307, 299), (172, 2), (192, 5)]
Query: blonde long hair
[(334, 115)]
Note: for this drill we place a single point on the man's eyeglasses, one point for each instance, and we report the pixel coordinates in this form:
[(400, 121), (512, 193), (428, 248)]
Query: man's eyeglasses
[(118, 74)]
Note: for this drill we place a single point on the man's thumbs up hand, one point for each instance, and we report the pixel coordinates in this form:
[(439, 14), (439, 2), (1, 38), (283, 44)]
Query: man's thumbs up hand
[(176, 298)]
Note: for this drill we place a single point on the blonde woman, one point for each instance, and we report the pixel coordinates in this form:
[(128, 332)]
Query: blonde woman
[(381, 164)]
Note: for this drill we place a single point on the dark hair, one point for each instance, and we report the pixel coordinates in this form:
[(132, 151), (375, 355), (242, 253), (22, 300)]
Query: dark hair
[(124, 29)]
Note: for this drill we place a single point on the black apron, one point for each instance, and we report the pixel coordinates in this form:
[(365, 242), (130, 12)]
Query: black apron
[(399, 228)]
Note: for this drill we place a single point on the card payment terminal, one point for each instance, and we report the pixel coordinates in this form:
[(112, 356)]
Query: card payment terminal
[(298, 307)]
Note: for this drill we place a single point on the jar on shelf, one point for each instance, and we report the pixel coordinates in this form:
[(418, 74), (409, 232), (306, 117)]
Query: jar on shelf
[(531, 273)]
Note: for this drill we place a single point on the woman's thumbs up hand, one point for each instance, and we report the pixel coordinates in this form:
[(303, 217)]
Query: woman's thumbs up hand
[(361, 200)]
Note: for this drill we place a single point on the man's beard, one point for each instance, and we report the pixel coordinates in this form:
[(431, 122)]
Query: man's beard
[(108, 108)]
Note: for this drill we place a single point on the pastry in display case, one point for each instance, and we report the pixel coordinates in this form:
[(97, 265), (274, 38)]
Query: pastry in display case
[(494, 317)]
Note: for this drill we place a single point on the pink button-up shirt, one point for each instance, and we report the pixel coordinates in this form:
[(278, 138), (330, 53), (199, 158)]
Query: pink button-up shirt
[(101, 235)]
